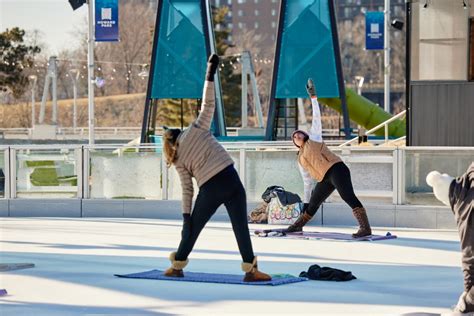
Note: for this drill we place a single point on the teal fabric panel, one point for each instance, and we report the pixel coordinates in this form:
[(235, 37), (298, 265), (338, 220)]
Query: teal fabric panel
[(180, 61), (307, 50)]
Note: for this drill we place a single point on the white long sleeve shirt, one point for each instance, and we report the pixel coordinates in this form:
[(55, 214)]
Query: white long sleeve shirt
[(315, 134)]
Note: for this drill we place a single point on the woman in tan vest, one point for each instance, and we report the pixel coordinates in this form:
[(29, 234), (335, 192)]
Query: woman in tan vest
[(317, 162), (196, 154)]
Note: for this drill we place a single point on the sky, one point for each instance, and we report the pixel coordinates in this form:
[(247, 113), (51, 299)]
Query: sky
[(54, 18)]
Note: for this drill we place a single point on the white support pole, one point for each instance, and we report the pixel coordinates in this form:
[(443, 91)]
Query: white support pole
[(245, 71), (302, 120), (33, 108), (256, 97), (43, 100), (74, 107), (387, 56), (33, 79), (54, 118), (90, 72)]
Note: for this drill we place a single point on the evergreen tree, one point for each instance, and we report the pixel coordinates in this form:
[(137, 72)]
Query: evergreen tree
[(15, 57)]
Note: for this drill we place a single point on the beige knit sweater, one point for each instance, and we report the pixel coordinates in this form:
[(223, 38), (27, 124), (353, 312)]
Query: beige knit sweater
[(199, 155)]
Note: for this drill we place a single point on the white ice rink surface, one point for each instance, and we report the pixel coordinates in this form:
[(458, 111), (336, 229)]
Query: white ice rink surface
[(76, 258)]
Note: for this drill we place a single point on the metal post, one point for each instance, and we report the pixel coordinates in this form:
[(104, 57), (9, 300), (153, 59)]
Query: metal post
[(74, 108), (33, 80), (33, 106), (54, 118), (256, 96), (245, 71), (387, 56), (164, 178), (90, 72), (182, 119), (407, 68), (43, 100)]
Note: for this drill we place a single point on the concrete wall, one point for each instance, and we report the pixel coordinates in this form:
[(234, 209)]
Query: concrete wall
[(331, 214)]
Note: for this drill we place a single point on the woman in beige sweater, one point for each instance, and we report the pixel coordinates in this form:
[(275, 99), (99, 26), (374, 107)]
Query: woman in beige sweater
[(196, 153), (317, 162)]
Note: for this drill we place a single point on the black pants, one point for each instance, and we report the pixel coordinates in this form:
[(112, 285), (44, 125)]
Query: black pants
[(224, 188), (461, 197), (338, 177)]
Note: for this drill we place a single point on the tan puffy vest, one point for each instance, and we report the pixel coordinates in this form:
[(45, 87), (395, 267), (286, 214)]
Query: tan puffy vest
[(316, 158)]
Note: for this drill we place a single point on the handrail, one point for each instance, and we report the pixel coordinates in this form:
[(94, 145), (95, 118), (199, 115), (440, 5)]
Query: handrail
[(385, 123)]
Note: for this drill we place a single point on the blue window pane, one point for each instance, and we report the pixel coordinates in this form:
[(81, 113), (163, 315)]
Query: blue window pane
[(180, 63), (307, 50)]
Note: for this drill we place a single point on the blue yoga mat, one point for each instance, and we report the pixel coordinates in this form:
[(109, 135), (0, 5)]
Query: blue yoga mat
[(212, 278)]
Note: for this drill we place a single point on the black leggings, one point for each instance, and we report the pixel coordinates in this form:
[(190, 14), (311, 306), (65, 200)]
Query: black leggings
[(224, 188), (338, 177)]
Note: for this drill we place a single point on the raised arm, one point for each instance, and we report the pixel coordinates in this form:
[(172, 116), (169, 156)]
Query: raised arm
[(208, 95), (207, 107), (187, 188), (316, 131)]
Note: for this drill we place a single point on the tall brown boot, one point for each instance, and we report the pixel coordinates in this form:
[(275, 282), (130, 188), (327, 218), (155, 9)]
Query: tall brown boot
[(176, 269), (300, 222), (252, 274), (364, 227)]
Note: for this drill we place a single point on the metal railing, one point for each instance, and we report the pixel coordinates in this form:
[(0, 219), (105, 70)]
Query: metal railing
[(82, 171), (376, 128)]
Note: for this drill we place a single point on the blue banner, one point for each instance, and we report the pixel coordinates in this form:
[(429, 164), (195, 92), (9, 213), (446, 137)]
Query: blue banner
[(374, 30), (106, 21)]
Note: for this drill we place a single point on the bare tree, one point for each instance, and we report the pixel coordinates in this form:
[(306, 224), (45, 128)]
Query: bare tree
[(131, 51)]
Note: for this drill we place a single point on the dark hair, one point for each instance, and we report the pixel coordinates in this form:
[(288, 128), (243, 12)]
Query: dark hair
[(306, 136), (170, 145)]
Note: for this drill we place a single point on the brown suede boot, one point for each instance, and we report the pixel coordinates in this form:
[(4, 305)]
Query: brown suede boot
[(252, 274), (364, 227), (300, 222), (176, 269)]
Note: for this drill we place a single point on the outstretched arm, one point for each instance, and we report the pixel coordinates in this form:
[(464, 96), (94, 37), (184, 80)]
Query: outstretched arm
[(316, 131), (207, 107), (308, 183), (187, 188), (208, 95)]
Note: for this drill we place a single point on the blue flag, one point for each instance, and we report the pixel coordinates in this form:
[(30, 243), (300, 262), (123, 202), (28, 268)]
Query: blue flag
[(106, 21), (374, 30)]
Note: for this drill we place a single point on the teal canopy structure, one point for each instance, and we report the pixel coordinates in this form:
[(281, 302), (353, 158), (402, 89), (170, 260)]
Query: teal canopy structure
[(183, 40), (307, 47), (307, 50)]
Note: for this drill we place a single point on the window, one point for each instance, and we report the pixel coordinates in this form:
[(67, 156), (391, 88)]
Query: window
[(256, 25), (229, 2), (274, 12), (241, 1), (240, 13), (256, 1), (230, 25), (257, 13), (274, 24)]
